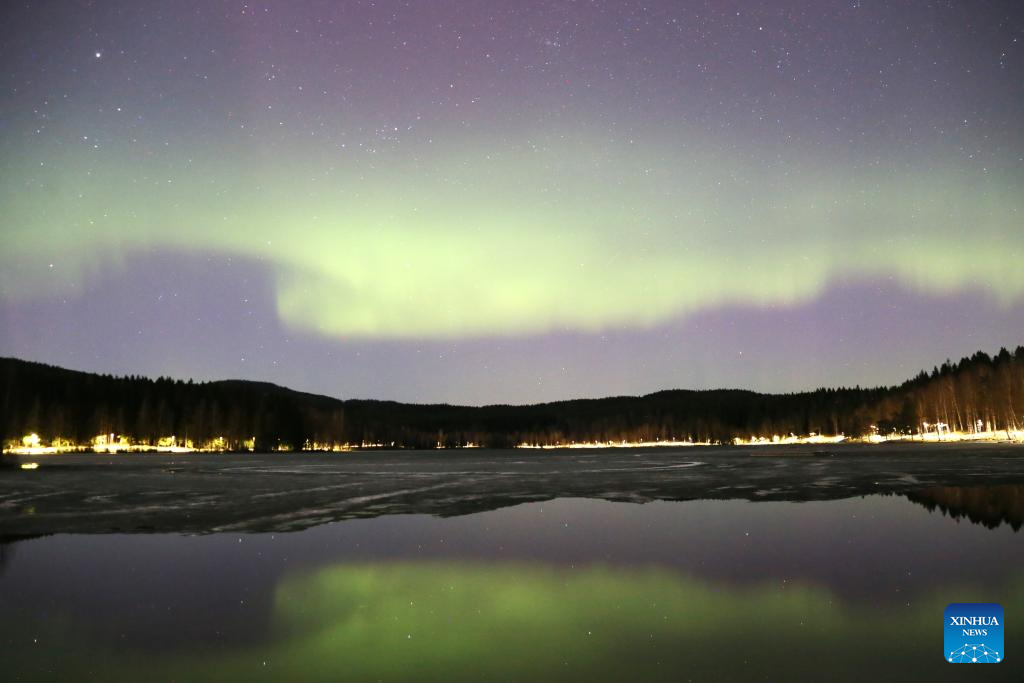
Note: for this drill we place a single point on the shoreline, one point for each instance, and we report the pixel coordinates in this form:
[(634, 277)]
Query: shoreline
[(1013, 439)]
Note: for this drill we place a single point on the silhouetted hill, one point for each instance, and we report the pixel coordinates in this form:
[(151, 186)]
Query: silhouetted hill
[(979, 391)]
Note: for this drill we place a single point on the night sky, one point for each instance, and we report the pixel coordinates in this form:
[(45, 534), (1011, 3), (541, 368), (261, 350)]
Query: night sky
[(511, 201)]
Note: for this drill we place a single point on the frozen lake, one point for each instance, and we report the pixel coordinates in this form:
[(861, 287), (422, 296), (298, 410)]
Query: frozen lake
[(508, 566)]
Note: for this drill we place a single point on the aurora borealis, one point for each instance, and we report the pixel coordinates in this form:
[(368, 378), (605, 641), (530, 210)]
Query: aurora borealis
[(512, 201)]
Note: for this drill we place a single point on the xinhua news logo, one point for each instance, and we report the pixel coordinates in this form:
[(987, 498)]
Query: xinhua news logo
[(974, 633)]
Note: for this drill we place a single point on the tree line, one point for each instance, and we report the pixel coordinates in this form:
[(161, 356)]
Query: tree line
[(979, 393)]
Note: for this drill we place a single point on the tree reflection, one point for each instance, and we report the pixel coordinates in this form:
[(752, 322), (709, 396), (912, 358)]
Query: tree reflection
[(6, 552), (990, 506)]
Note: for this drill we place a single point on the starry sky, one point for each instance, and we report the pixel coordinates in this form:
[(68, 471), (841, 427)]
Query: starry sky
[(512, 201)]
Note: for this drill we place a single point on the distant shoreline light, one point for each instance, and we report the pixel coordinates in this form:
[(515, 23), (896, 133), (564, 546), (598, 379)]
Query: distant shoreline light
[(614, 444), (994, 436), (111, 445)]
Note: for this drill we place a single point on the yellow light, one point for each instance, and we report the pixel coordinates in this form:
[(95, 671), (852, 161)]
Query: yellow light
[(29, 465), (613, 444)]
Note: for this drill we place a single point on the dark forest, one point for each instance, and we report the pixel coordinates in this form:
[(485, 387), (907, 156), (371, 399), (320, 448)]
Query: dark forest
[(978, 393)]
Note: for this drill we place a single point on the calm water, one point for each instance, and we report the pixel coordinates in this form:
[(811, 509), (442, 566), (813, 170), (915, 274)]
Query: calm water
[(429, 568)]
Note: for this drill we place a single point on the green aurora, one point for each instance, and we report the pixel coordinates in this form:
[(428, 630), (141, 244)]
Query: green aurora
[(510, 236)]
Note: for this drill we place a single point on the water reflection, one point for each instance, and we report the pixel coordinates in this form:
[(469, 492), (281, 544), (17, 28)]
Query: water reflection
[(6, 551), (570, 589), (466, 621), (990, 506)]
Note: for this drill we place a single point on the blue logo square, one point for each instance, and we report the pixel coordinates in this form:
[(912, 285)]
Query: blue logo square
[(974, 633)]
